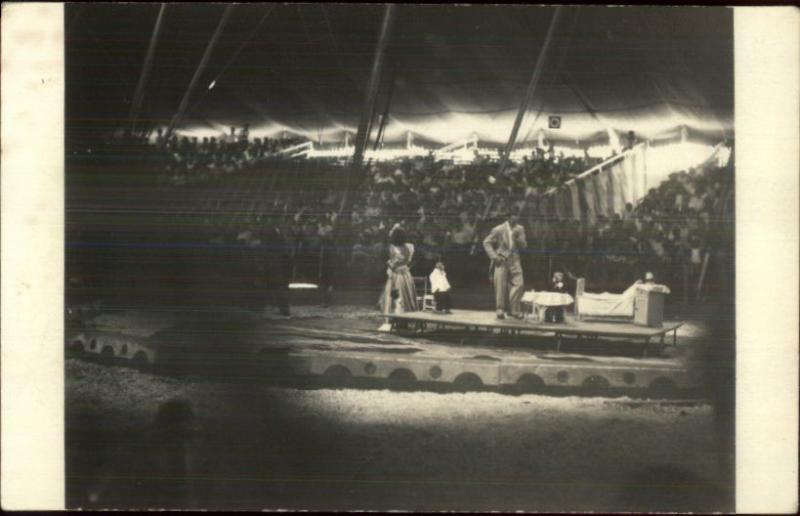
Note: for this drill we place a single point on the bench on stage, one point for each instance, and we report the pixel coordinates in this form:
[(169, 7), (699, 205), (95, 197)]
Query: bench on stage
[(475, 320)]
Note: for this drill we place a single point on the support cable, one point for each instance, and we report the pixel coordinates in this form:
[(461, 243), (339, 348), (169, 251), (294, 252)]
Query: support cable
[(200, 68)]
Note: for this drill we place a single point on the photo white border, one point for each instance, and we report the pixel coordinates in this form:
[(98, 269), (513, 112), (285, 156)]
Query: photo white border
[(767, 170), (32, 202), (767, 165)]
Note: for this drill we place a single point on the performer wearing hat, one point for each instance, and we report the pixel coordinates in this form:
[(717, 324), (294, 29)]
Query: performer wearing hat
[(502, 245)]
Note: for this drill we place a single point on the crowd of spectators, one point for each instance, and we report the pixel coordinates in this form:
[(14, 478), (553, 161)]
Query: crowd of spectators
[(670, 232), (443, 205), (195, 159), (446, 208)]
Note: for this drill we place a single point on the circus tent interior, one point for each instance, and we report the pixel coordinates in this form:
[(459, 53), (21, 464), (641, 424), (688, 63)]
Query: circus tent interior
[(455, 75)]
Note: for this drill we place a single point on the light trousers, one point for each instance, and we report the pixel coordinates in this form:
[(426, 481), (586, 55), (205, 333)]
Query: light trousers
[(509, 285)]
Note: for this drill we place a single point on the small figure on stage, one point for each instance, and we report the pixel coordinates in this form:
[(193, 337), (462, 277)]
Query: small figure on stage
[(440, 288), (502, 245), (558, 282), (399, 294), (555, 314)]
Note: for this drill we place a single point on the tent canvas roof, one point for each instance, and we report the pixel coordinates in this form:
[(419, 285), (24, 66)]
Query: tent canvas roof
[(457, 70)]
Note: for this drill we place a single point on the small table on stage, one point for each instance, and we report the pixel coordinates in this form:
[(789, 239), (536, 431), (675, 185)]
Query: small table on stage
[(541, 301)]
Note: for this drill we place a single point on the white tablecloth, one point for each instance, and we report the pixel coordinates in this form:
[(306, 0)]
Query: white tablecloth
[(548, 298)]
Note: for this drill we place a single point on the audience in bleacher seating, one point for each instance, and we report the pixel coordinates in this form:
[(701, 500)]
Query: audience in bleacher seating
[(186, 160), (443, 206)]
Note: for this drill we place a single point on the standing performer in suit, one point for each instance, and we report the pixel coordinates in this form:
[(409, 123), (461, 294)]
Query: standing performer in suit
[(502, 245)]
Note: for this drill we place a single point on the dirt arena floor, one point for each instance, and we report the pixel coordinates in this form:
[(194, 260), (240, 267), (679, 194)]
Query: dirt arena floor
[(136, 439)]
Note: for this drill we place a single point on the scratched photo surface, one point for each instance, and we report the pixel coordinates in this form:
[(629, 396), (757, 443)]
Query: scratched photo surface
[(399, 257)]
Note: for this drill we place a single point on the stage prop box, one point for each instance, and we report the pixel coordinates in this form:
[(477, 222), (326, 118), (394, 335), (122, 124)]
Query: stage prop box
[(648, 307)]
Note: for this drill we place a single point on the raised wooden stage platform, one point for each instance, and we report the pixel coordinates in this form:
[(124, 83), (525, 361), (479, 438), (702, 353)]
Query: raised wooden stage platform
[(476, 320), (338, 349)]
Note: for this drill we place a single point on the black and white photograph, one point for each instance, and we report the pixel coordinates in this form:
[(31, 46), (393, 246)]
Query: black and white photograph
[(377, 257), (400, 257)]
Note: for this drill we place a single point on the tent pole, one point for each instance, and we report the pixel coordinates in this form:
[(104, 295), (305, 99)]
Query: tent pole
[(362, 136), (369, 105), (200, 68), (385, 116), (372, 87), (523, 108), (148, 64)]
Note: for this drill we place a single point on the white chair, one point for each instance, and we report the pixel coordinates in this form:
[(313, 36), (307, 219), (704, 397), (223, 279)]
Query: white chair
[(426, 300)]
